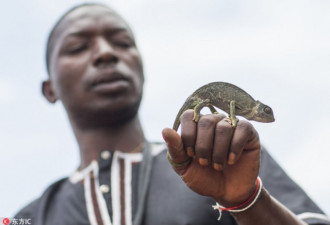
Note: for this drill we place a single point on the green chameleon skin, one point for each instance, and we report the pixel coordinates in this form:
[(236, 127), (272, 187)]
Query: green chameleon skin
[(229, 98)]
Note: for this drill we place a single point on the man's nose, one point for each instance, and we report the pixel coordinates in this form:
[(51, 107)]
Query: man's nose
[(104, 53)]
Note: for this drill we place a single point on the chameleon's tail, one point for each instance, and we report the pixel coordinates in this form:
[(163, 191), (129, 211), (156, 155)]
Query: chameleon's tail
[(176, 123), (187, 105)]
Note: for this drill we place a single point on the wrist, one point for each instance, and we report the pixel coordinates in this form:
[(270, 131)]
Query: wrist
[(237, 197), (243, 206)]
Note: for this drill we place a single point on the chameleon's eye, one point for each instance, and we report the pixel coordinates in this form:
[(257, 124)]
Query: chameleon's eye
[(267, 110)]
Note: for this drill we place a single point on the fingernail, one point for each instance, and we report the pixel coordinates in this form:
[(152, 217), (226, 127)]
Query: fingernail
[(203, 162), (231, 158), (217, 166), (190, 152)]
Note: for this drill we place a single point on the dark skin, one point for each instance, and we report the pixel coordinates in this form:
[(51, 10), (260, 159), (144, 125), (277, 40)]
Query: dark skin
[(96, 72), (208, 143)]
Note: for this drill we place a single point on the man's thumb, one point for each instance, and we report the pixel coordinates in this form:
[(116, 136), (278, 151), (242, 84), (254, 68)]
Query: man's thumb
[(177, 156)]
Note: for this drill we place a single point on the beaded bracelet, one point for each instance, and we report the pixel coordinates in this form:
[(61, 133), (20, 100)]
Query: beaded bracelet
[(245, 205)]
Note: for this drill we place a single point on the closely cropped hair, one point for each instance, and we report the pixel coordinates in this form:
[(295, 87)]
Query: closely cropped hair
[(49, 43)]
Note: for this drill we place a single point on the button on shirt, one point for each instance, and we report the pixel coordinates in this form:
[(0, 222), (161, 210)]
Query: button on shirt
[(105, 193)]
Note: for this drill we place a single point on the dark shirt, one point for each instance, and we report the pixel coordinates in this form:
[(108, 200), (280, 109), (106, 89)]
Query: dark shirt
[(106, 192)]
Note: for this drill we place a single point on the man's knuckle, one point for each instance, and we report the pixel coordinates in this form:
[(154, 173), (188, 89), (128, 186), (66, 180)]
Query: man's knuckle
[(188, 114), (246, 127), (206, 122), (222, 128)]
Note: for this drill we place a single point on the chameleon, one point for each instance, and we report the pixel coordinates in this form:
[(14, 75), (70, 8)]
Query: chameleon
[(229, 98)]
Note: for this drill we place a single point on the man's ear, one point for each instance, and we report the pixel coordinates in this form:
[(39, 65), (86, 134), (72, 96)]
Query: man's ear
[(48, 91)]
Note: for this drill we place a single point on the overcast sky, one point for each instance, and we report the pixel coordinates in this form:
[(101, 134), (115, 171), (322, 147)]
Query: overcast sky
[(278, 51)]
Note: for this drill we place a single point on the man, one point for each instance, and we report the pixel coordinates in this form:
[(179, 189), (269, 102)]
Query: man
[(95, 70)]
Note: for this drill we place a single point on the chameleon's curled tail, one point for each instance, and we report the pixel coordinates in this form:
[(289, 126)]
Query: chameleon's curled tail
[(187, 105)]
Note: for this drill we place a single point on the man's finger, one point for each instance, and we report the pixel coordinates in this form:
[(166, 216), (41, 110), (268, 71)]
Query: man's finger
[(222, 140), (244, 132), (205, 136), (188, 131), (176, 153)]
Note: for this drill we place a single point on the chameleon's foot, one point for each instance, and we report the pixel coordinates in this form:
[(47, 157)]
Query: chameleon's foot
[(233, 122), (196, 116), (213, 110), (197, 109), (232, 117)]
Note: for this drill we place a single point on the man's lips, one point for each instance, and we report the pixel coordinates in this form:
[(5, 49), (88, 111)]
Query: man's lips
[(108, 78), (110, 83)]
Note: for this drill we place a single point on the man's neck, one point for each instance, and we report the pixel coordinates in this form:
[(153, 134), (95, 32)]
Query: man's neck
[(126, 138)]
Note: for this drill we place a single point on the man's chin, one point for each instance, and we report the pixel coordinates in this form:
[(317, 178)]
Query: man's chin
[(98, 117)]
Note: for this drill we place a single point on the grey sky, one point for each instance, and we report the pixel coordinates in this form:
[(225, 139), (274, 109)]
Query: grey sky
[(279, 51)]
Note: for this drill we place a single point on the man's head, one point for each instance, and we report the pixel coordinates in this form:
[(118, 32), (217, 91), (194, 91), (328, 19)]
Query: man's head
[(94, 66)]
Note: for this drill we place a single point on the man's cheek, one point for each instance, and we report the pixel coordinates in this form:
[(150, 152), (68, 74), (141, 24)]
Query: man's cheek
[(72, 65)]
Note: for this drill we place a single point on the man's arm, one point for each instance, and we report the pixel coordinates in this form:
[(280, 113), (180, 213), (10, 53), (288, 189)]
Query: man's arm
[(267, 210), (215, 160)]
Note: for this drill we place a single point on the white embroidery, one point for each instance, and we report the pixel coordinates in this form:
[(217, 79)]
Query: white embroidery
[(89, 201), (100, 198), (310, 215), (115, 189), (85, 174)]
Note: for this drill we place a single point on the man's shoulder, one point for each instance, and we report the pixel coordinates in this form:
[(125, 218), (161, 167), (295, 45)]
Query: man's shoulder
[(31, 210)]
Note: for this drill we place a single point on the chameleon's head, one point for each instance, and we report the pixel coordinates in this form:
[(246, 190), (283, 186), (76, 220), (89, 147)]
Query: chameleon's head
[(263, 113)]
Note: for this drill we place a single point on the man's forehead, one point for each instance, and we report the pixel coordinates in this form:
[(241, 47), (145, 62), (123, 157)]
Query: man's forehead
[(88, 15)]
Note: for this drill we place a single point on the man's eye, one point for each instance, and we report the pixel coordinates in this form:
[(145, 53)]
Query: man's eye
[(123, 44), (77, 49)]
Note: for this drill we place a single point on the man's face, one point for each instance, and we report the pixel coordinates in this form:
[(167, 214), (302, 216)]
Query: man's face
[(94, 63)]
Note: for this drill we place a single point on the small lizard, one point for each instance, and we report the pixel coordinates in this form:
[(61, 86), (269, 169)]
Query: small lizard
[(229, 98)]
